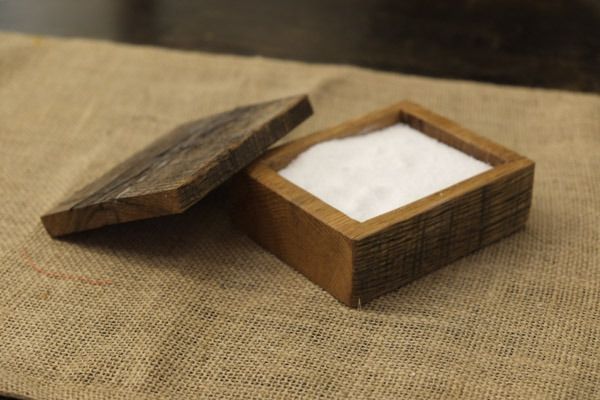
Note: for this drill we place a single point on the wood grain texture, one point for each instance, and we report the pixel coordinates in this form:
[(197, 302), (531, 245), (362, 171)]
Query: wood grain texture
[(180, 168), (502, 41), (357, 262), (300, 238)]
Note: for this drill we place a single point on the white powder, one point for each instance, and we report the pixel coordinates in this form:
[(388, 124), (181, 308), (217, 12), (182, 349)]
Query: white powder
[(368, 175)]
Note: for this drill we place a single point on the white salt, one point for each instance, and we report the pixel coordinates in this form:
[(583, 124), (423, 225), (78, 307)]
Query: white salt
[(369, 175)]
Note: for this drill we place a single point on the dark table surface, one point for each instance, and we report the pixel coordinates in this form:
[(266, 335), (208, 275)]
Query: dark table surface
[(550, 43)]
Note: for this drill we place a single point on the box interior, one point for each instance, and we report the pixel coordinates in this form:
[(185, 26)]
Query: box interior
[(294, 149), (366, 205)]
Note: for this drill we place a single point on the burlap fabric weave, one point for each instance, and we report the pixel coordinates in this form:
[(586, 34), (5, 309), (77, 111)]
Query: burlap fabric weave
[(188, 307)]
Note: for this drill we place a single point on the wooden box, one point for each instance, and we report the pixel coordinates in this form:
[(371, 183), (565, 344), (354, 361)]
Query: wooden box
[(357, 262)]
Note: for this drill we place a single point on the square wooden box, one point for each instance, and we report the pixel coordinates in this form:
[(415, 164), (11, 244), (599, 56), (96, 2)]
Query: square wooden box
[(357, 262)]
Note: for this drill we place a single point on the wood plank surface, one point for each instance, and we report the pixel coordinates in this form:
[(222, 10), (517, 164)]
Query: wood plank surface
[(180, 168), (534, 43)]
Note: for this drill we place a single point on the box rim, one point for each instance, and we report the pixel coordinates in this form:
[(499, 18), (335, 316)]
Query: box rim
[(265, 169)]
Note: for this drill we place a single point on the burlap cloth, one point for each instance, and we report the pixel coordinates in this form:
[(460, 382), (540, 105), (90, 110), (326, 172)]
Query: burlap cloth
[(186, 306)]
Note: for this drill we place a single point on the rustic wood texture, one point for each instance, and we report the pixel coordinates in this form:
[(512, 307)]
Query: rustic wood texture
[(180, 168), (357, 262), (502, 41)]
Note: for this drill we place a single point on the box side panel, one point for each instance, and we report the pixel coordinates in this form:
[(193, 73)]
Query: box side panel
[(316, 250), (414, 247)]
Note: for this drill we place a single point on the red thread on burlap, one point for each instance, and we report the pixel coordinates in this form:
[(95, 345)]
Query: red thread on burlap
[(29, 261)]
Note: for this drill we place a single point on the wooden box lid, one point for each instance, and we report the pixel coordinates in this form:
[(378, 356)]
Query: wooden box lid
[(180, 168)]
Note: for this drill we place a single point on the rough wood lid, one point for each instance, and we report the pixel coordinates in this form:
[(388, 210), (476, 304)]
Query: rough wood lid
[(180, 168)]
